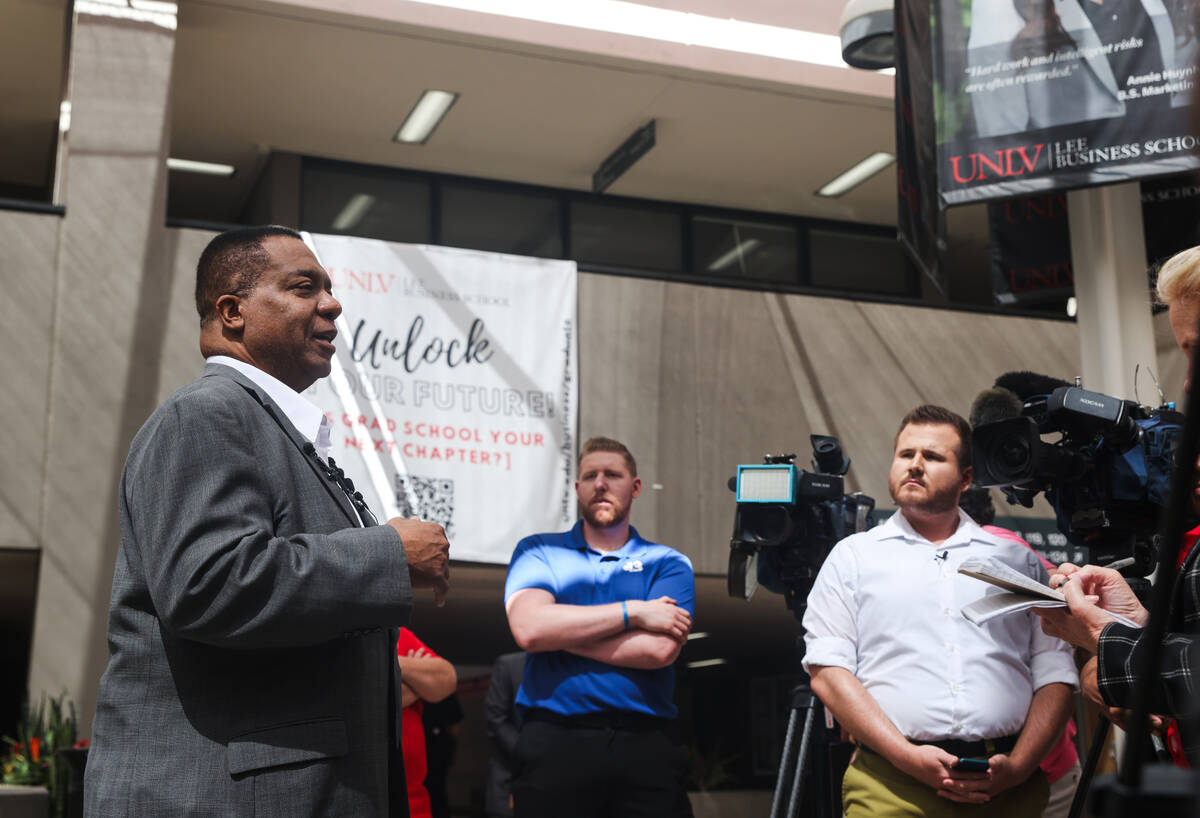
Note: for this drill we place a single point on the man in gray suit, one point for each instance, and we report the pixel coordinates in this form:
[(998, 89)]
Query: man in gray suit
[(251, 629)]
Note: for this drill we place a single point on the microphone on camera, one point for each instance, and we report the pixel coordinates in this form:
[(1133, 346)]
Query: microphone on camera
[(1029, 384), (1006, 399), (995, 404)]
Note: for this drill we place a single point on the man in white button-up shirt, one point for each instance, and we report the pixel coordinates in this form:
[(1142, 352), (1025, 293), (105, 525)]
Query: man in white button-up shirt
[(915, 683)]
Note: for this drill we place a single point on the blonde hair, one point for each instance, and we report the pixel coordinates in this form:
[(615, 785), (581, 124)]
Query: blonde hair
[(1179, 277)]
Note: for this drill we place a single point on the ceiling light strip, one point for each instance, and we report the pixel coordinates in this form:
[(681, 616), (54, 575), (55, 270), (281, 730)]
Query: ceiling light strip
[(425, 116), (192, 166), (356, 208), (667, 25), (858, 174)]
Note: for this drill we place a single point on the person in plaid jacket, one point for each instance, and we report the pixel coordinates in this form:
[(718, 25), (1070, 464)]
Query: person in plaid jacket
[(1091, 590)]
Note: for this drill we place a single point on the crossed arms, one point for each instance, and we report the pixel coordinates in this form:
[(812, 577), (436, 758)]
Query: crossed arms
[(425, 677), (658, 628)]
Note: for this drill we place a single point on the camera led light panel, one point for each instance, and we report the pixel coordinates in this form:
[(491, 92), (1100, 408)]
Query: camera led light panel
[(766, 484)]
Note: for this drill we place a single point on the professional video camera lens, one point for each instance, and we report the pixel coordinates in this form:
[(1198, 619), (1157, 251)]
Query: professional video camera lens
[(767, 524), (1013, 454)]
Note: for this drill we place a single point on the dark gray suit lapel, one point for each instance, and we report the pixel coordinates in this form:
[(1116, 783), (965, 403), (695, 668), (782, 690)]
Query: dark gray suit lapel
[(298, 440)]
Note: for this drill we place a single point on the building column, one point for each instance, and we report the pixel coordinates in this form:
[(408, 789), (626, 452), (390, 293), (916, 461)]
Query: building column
[(111, 286), (1108, 255)]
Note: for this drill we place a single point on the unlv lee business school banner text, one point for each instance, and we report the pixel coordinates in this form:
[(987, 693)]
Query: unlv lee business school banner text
[(1037, 95), (454, 390)]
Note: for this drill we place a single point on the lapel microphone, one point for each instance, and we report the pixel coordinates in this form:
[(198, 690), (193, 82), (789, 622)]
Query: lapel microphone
[(942, 556), (338, 477)]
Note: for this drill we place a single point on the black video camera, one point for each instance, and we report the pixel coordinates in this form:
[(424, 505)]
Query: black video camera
[(1107, 476), (788, 520)]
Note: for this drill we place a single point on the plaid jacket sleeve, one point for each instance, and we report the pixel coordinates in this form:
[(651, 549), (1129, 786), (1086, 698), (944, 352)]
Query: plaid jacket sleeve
[(1121, 648)]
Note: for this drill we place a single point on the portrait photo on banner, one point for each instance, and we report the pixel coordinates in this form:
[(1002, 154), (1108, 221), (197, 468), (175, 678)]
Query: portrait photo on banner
[(1038, 95)]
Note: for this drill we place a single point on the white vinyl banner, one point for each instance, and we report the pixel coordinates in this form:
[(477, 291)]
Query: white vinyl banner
[(454, 388)]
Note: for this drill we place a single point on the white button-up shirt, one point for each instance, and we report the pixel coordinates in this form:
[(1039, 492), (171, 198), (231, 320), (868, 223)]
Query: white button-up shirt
[(886, 606), (305, 415)]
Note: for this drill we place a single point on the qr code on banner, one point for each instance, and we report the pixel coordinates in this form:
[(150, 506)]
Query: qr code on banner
[(434, 498)]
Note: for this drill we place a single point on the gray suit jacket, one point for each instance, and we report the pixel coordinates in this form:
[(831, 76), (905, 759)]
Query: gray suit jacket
[(249, 650)]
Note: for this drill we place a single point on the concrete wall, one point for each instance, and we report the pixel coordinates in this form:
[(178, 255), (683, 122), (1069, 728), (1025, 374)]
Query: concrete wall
[(699, 379), (27, 266)]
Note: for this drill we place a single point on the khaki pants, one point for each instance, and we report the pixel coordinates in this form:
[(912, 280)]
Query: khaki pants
[(873, 787)]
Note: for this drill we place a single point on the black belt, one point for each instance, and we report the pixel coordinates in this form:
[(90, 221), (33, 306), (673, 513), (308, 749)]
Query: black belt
[(982, 748), (600, 720)]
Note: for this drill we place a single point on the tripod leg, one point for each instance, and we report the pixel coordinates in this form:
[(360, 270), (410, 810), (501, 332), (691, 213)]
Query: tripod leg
[(1089, 769), (805, 740), (785, 763)]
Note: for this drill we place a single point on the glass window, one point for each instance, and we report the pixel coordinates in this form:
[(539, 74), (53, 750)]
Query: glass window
[(624, 235), (33, 48), (375, 204), (859, 262), (741, 249), (503, 221)]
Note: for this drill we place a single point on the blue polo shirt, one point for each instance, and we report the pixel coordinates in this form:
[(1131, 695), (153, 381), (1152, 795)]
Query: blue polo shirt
[(564, 564)]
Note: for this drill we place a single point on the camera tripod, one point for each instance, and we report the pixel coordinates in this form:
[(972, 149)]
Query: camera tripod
[(807, 753)]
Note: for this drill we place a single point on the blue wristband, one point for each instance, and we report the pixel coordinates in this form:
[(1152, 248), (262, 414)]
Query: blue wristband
[(625, 613)]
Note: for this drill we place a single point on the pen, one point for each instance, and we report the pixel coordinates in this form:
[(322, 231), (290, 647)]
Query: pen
[(1116, 565)]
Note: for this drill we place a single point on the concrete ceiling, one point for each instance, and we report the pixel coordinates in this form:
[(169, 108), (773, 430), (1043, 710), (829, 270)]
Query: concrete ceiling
[(250, 78), (254, 76)]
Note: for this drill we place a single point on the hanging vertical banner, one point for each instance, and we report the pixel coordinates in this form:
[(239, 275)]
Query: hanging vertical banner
[(1039, 95), (921, 222), (454, 388), (1030, 249), (1031, 241)]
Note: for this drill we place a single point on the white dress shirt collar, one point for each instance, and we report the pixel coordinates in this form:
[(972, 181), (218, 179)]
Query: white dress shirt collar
[(898, 526), (305, 415)]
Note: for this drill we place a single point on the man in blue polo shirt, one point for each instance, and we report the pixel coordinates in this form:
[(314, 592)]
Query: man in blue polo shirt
[(603, 614)]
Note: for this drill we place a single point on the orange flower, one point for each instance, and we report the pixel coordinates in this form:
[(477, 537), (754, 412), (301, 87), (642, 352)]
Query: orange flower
[(35, 746)]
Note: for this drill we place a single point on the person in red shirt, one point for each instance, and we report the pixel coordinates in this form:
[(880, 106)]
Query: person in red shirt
[(424, 677)]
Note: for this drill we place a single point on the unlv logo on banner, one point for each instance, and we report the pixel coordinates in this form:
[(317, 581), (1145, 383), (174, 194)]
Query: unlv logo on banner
[(1031, 244), (1031, 249)]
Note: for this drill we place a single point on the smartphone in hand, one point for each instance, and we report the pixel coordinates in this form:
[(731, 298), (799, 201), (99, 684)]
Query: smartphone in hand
[(971, 765)]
